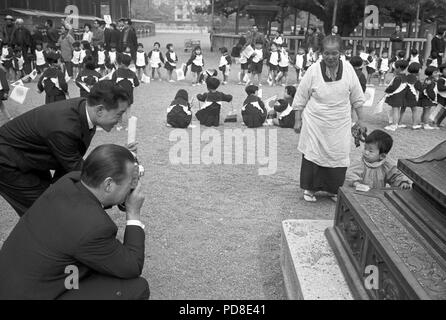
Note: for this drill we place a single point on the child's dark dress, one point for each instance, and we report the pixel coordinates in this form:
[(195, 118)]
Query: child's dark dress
[(89, 77), (412, 91), (253, 112), (179, 114), (397, 92)]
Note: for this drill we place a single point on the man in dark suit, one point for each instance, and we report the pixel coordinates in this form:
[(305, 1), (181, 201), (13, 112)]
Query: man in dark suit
[(438, 46), (65, 247), (53, 137)]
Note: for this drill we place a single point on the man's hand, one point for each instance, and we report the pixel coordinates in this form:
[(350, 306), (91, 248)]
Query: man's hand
[(134, 203), (133, 147), (405, 186), (298, 126)]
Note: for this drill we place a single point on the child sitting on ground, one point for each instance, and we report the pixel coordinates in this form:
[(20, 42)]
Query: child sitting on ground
[(375, 170), (179, 114), (357, 64), (285, 115), (253, 110), (88, 77), (396, 93), (209, 113), (53, 81)]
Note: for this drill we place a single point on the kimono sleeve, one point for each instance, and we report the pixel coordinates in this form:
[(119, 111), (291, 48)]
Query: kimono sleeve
[(395, 177), (354, 173), (303, 93)]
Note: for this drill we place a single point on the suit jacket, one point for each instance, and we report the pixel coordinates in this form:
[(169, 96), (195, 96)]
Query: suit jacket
[(66, 226), (438, 45), (50, 137)]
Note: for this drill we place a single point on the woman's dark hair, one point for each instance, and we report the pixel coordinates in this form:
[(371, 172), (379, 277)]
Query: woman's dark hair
[(88, 25), (290, 90), (107, 160), (382, 139), (251, 89), (108, 94), (414, 67)]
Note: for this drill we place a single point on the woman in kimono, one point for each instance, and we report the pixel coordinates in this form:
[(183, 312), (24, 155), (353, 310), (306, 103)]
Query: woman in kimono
[(324, 101)]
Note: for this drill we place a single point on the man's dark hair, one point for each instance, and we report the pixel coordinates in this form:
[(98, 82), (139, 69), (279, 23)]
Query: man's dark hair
[(290, 90), (107, 93), (251, 89), (356, 62), (212, 83), (125, 59), (108, 160), (49, 22), (401, 64), (382, 139), (414, 67)]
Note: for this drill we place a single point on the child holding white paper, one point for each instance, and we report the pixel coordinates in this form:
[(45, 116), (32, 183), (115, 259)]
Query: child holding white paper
[(225, 64), (209, 114), (253, 110), (179, 113), (375, 170), (88, 77), (4, 91), (53, 81), (171, 61)]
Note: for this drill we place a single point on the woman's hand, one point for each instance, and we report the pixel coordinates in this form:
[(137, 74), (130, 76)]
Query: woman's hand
[(298, 126)]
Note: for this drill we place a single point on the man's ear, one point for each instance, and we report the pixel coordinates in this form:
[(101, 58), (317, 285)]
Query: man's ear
[(99, 110), (107, 185)]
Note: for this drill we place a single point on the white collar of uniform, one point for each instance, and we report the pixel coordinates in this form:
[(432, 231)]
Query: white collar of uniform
[(90, 124)]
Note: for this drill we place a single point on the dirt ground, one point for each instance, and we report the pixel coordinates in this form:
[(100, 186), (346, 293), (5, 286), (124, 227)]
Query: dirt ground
[(213, 231)]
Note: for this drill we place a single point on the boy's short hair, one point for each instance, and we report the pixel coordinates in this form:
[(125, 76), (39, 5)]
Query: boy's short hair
[(169, 45), (89, 62), (223, 50), (259, 42), (401, 64), (291, 90), (125, 59), (212, 83), (251, 89), (382, 139), (414, 67), (413, 51), (156, 43), (430, 71), (401, 54), (76, 44), (356, 62)]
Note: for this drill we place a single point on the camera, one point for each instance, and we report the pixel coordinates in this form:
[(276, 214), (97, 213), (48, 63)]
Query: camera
[(140, 174)]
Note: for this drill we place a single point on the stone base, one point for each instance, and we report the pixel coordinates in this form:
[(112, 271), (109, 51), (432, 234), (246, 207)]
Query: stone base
[(309, 266)]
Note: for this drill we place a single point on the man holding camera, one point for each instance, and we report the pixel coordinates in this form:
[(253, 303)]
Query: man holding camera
[(65, 247), (55, 137)]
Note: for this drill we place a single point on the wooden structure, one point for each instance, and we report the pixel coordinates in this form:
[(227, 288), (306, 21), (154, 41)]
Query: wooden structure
[(401, 235)]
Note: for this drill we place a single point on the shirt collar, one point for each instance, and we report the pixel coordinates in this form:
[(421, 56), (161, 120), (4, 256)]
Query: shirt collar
[(90, 124)]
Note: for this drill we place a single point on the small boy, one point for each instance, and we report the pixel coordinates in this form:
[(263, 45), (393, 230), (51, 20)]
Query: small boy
[(300, 64), (156, 59), (396, 93), (76, 60), (53, 81), (209, 113), (225, 64), (284, 63), (102, 58), (357, 63), (383, 67), (257, 62), (18, 63), (253, 110), (375, 170), (285, 114), (142, 60), (88, 76), (273, 64)]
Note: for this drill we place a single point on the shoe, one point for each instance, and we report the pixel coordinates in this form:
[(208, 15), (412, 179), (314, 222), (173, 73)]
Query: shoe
[(428, 127), (402, 126), (194, 84), (240, 83), (171, 80), (416, 127), (309, 196), (392, 127)]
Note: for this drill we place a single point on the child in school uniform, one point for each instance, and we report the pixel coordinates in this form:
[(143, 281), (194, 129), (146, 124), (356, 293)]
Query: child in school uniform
[(256, 64), (225, 64), (102, 58), (375, 170), (383, 67), (39, 58), (300, 64), (357, 64), (4, 91), (372, 64), (85, 51), (196, 62), (128, 52), (76, 60), (284, 62), (411, 99), (311, 59), (53, 81), (245, 65), (142, 60), (88, 76), (125, 78), (18, 63), (179, 114), (209, 113), (111, 62), (253, 110), (415, 57), (285, 116), (441, 97), (400, 56), (156, 59), (396, 93), (428, 97), (171, 61), (6, 59), (273, 64)]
